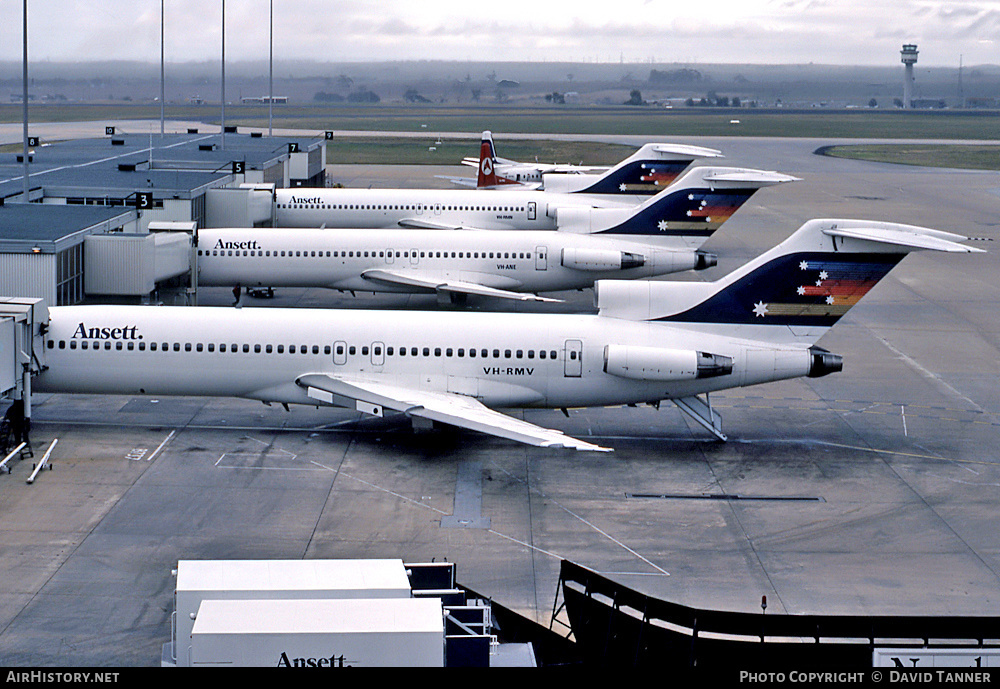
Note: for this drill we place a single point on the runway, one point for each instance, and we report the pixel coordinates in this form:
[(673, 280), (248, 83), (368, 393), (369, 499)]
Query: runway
[(871, 491)]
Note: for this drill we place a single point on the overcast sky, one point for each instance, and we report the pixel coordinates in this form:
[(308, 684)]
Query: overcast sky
[(843, 32)]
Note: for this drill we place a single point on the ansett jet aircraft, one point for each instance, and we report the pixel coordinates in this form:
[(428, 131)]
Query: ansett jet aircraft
[(647, 171), (689, 210), (511, 265), (650, 341)]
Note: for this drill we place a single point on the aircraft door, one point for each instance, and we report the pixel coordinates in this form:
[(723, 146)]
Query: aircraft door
[(388, 256), (532, 210), (340, 353), (414, 257), (437, 209), (573, 359), (378, 354), (541, 258)]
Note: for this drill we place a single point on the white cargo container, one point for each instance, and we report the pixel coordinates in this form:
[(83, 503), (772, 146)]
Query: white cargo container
[(203, 580), (382, 632)]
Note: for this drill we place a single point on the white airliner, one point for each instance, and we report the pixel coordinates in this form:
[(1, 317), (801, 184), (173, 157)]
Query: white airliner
[(651, 341), (686, 213), (494, 170), (451, 263), (649, 170)]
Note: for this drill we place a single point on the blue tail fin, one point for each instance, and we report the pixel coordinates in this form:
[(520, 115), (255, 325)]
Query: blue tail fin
[(648, 171), (804, 285), (696, 205)]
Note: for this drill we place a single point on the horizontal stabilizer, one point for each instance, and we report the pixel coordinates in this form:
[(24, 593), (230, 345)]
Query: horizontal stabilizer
[(753, 178), (907, 236), (687, 151)]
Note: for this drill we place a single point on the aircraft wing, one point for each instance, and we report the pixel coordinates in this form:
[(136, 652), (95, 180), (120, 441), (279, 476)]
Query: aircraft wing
[(421, 224), (445, 407), (460, 181), (576, 169), (411, 279), (474, 162)]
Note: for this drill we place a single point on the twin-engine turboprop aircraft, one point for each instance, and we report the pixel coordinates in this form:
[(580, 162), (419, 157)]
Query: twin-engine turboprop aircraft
[(647, 171), (453, 264), (651, 341), (688, 210)]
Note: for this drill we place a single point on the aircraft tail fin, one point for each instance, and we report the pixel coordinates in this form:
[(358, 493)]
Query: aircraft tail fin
[(689, 211), (794, 292), (488, 177), (487, 161), (648, 171)]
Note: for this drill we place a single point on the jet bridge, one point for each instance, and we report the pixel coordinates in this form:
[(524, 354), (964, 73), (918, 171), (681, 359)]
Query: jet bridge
[(23, 323)]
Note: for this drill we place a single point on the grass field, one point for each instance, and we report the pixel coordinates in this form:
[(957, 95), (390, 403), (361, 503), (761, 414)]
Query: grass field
[(657, 124), (643, 121), (409, 151), (966, 156)]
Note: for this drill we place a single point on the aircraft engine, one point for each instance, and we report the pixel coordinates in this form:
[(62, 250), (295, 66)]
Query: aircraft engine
[(661, 364), (601, 259), (824, 363), (589, 220)]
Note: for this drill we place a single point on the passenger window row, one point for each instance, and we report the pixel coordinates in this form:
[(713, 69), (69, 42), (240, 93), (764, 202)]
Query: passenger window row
[(340, 350), (396, 207), (460, 352), (233, 348), (365, 254)]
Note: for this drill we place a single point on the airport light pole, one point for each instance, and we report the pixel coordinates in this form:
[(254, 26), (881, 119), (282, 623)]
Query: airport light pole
[(24, 95), (223, 75), (270, 75), (161, 71)]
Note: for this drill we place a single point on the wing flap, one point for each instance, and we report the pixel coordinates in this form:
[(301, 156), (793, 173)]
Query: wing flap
[(444, 407)]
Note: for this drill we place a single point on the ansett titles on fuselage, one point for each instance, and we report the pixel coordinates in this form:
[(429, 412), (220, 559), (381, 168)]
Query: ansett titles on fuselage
[(82, 332), (313, 201), (251, 245)]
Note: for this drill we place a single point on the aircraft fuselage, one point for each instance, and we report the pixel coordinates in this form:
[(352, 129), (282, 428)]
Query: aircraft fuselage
[(501, 359), (352, 259), (474, 208)]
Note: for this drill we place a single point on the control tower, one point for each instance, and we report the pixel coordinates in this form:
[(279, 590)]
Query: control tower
[(909, 58)]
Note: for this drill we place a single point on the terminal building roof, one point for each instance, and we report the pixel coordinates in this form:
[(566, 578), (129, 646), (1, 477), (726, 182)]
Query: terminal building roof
[(179, 163), (44, 227)]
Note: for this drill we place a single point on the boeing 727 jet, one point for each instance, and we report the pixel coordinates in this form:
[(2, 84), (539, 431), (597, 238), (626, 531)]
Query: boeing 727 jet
[(686, 213), (451, 263), (651, 341)]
